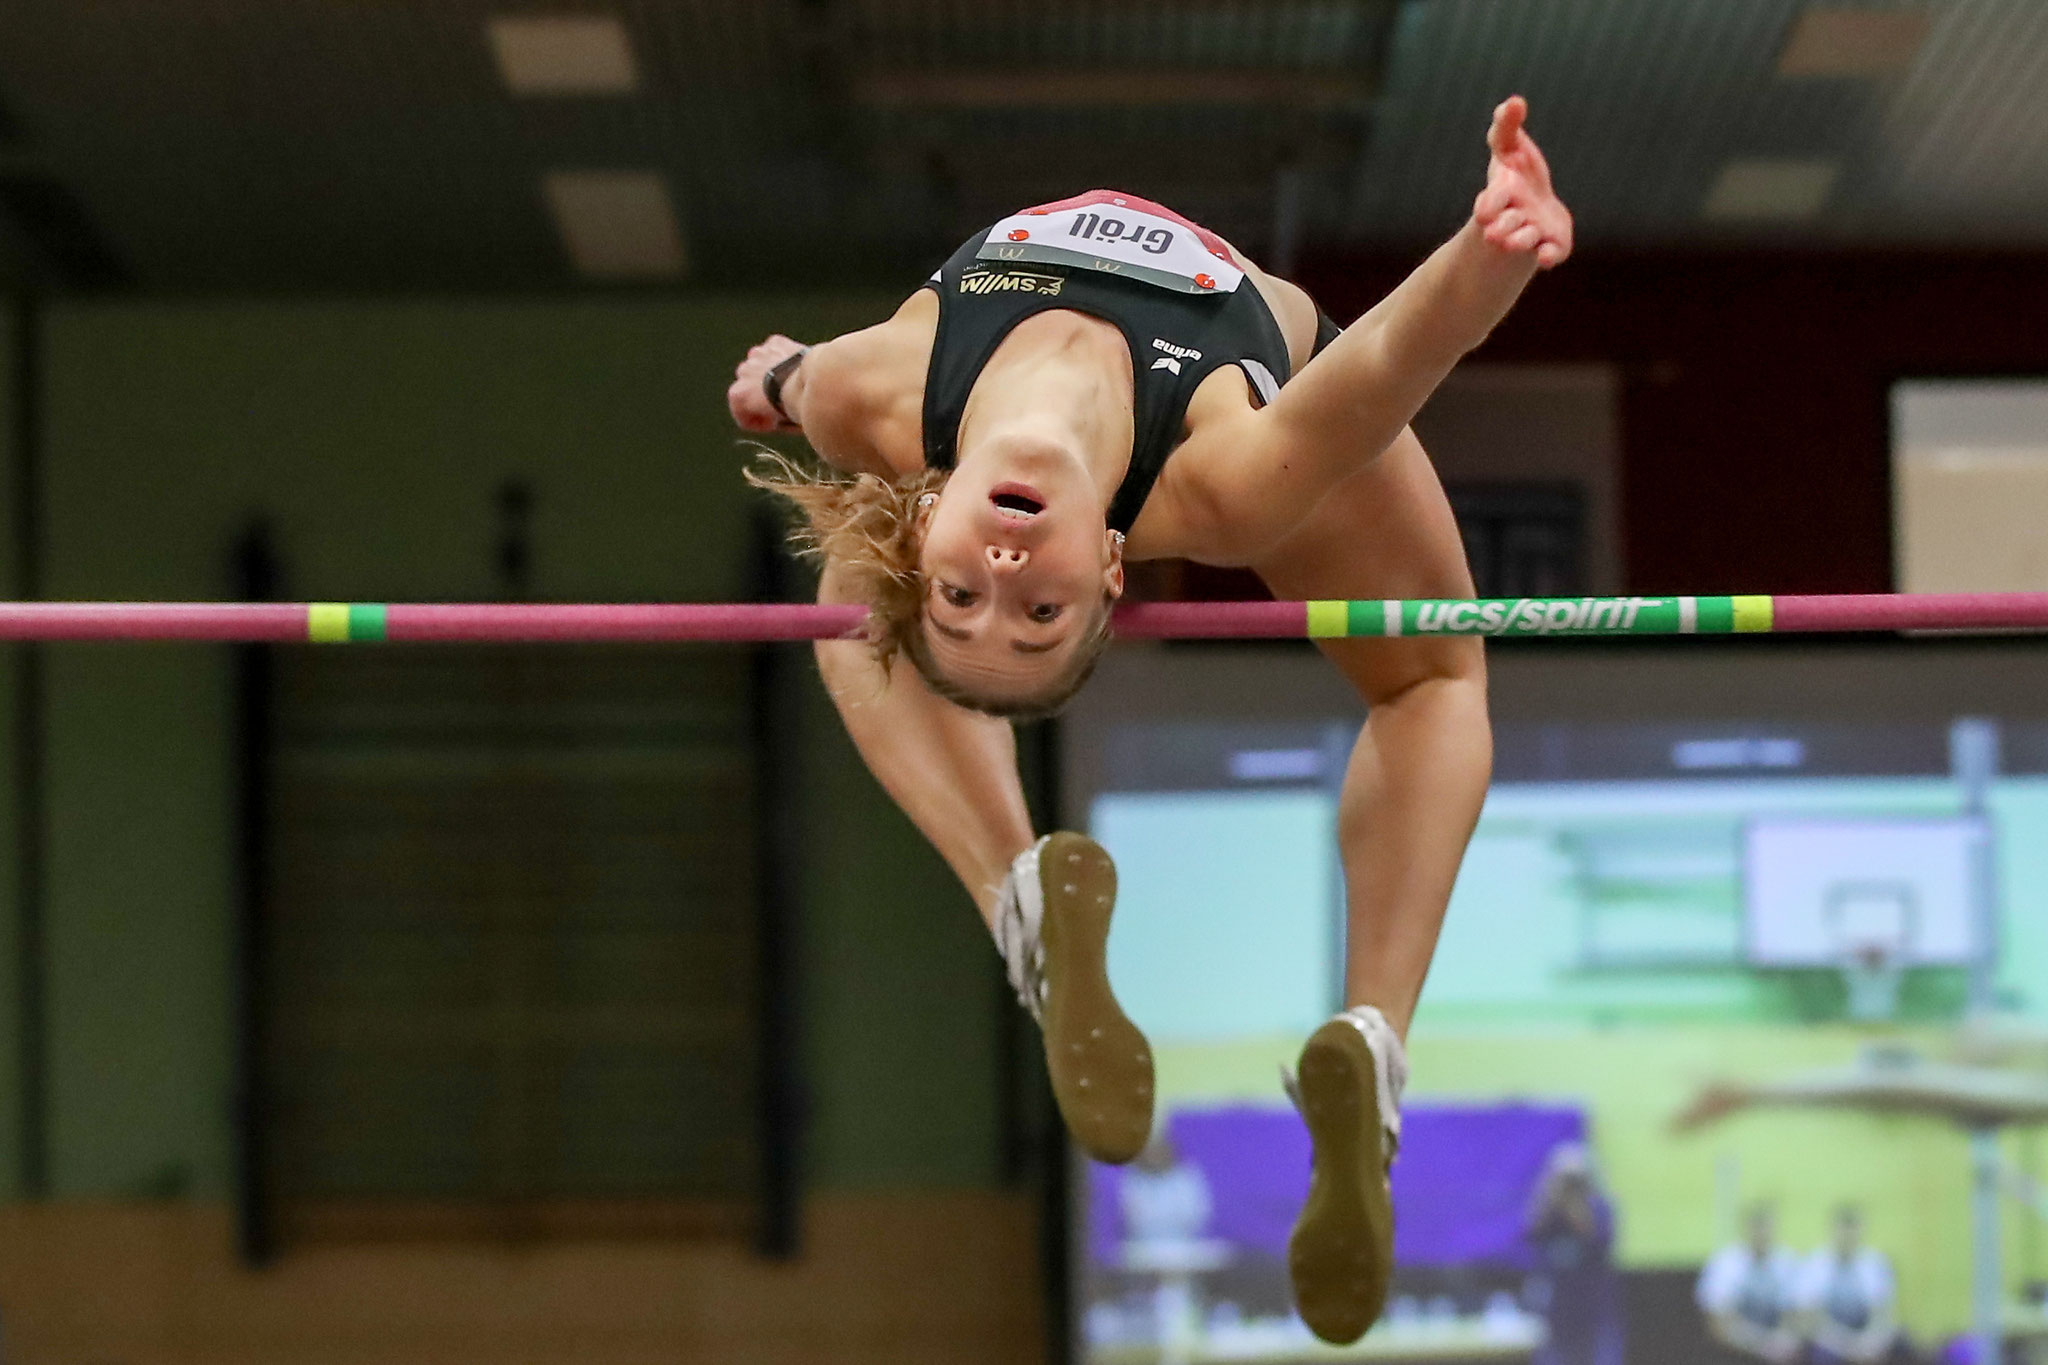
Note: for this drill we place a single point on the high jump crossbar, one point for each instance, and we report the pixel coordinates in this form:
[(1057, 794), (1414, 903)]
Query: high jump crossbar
[(484, 622)]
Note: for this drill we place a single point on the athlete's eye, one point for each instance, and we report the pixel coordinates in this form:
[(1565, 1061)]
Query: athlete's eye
[(955, 595), (1043, 612)]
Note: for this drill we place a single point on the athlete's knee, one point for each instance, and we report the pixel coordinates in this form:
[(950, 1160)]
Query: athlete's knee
[(1457, 662)]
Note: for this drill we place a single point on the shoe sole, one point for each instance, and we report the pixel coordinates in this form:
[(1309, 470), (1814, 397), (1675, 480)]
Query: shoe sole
[(1341, 1253), (1101, 1065)]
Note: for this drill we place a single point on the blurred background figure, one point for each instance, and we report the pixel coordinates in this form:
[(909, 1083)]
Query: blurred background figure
[(1167, 1206), (1846, 1290), (1571, 1236), (1749, 1292), (1165, 1200)]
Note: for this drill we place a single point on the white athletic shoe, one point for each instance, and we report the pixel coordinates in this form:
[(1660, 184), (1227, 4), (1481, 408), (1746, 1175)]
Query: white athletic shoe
[(1341, 1253), (1052, 925)]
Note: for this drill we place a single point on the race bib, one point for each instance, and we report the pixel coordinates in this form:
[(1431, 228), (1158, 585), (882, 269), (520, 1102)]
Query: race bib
[(1117, 240)]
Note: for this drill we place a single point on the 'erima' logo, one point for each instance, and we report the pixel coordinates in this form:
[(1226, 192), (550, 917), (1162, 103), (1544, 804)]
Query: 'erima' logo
[(1006, 281), (1174, 355)]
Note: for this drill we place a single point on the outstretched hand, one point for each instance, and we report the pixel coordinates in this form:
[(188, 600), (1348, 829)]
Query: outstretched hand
[(747, 399), (1518, 211)]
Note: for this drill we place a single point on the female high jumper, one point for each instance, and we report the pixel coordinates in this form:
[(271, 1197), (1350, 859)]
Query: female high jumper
[(1100, 380)]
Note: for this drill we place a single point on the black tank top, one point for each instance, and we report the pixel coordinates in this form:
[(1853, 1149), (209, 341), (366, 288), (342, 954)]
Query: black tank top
[(1176, 341)]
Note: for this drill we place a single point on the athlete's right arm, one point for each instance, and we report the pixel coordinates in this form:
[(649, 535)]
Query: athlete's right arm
[(952, 771)]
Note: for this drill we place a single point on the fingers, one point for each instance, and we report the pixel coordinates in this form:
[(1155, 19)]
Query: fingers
[(1522, 228), (746, 419), (1531, 163), (749, 407), (1498, 194), (773, 348), (1557, 238), (1504, 225), (1518, 211), (1508, 117)]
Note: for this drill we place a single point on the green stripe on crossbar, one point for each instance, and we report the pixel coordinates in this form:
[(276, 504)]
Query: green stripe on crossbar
[(366, 622), (1542, 616)]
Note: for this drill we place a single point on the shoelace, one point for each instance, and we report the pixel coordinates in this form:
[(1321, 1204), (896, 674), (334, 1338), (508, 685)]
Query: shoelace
[(1023, 951)]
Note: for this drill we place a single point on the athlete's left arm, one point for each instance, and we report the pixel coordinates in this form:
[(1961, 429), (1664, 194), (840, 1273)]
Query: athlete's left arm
[(856, 398), (1260, 478)]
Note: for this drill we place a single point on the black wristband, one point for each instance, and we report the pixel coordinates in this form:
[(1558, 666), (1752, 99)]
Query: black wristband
[(778, 375)]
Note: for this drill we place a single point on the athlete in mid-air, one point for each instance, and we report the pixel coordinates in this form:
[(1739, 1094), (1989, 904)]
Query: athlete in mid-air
[(1100, 380)]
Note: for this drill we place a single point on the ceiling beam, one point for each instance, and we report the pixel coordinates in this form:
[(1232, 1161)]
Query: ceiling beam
[(998, 88)]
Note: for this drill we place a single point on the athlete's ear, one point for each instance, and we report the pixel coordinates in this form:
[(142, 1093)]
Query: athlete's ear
[(1113, 572)]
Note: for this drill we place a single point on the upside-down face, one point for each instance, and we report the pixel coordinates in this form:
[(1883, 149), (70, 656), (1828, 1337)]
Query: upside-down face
[(1018, 570)]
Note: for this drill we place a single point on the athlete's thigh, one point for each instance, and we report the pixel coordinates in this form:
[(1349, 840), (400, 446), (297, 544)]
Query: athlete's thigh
[(1386, 531)]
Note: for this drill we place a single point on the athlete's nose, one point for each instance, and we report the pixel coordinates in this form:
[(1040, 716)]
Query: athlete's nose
[(1003, 559)]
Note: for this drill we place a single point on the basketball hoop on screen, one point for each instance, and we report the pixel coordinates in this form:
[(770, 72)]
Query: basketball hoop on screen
[(1864, 898), (1873, 972), (1872, 924)]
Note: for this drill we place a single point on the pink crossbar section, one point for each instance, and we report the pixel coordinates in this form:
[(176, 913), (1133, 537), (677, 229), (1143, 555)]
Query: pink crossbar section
[(621, 621), (1974, 611), (740, 621), (249, 621), (791, 621), (644, 622), (1212, 621)]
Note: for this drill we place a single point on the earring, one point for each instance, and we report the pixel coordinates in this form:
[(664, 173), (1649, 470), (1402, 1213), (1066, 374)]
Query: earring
[(927, 499), (1117, 538)]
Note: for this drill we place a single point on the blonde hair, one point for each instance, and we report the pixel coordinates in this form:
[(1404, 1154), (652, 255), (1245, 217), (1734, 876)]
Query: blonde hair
[(867, 527)]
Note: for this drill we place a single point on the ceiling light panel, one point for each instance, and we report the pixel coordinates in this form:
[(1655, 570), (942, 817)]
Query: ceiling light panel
[(1834, 41), (563, 54), (616, 225), (1771, 189)]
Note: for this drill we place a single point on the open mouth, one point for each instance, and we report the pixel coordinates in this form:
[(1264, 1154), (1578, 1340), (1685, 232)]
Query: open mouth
[(1016, 501)]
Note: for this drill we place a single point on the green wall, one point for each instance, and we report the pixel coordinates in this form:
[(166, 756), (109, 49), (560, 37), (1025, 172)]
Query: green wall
[(374, 436)]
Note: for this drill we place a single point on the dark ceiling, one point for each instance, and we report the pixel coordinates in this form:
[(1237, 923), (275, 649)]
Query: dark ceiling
[(201, 146)]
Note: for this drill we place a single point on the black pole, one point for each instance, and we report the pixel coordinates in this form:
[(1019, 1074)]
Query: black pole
[(778, 847), (1039, 747), (256, 579), (30, 764), (514, 554)]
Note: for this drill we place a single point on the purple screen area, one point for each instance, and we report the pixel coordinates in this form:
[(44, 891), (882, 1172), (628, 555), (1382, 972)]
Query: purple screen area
[(1460, 1187)]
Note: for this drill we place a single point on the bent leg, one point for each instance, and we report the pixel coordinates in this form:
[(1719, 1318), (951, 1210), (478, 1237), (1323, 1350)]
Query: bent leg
[(1418, 774), (953, 772), (1412, 793)]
